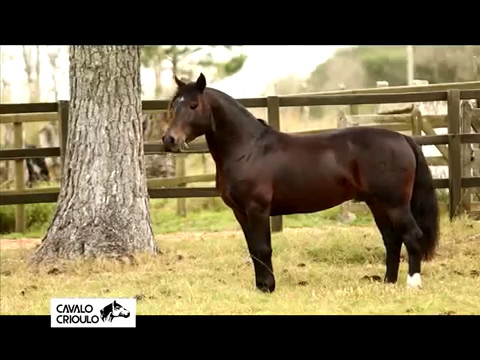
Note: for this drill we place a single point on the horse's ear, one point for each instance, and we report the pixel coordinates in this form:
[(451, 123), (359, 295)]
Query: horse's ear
[(201, 82), (179, 82)]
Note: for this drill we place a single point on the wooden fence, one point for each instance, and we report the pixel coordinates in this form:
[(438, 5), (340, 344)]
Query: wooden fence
[(452, 93)]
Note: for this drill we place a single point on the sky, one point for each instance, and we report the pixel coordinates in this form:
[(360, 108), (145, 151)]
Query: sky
[(264, 64)]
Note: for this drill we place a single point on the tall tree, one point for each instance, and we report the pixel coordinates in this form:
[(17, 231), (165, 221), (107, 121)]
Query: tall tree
[(152, 57), (181, 60), (103, 206), (32, 69), (53, 54), (6, 130)]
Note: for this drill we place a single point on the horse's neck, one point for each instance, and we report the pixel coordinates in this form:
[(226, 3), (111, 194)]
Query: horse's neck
[(233, 128)]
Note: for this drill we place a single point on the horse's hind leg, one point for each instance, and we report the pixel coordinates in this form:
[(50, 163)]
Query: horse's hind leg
[(406, 227), (393, 243)]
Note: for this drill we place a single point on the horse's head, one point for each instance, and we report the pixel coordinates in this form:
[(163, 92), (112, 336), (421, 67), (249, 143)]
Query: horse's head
[(191, 114), (119, 310)]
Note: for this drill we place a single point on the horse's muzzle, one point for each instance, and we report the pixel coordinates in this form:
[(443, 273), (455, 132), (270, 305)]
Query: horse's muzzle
[(169, 143)]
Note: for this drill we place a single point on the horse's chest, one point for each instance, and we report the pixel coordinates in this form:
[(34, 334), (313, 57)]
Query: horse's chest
[(224, 189), (235, 188)]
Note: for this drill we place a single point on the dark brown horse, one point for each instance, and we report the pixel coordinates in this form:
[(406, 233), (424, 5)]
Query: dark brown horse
[(262, 172)]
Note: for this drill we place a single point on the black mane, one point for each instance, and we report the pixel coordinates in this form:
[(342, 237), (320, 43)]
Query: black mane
[(190, 87), (263, 122)]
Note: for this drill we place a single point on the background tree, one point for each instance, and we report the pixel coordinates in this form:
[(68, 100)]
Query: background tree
[(446, 63), (32, 69), (183, 59), (363, 66), (6, 130), (53, 54), (152, 57), (103, 206)]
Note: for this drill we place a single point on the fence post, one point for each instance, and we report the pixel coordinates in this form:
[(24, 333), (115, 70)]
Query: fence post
[(273, 109), (380, 107), (454, 153), (470, 111), (63, 108), (416, 122), (180, 172), (19, 177), (465, 128), (354, 109)]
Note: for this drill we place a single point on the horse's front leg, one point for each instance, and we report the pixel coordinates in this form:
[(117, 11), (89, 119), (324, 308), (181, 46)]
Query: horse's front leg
[(257, 233)]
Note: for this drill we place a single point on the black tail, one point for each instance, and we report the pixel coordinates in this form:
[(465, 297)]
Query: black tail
[(424, 204)]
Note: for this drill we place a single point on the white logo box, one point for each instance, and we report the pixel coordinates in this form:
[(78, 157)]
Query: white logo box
[(93, 312)]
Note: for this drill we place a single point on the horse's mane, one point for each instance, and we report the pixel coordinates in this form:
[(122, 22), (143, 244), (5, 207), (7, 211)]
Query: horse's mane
[(263, 122), (239, 106)]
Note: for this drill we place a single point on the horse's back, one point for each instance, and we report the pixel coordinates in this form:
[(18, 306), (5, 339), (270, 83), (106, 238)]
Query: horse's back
[(379, 163), (357, 133), (315, 172)]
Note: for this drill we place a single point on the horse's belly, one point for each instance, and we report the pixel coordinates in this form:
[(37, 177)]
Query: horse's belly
[(307, 199)]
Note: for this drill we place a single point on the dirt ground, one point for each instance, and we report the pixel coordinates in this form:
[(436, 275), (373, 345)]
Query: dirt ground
[(25, 243), (28, 243)]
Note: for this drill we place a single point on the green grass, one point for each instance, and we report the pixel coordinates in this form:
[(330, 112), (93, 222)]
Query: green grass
[(319, 270), (165, 219), (202, 215)]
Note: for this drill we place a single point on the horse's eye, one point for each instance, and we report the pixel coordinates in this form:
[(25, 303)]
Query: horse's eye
[(193, 106)]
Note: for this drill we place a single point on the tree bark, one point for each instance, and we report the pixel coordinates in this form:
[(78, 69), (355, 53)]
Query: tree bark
[(103, 206)]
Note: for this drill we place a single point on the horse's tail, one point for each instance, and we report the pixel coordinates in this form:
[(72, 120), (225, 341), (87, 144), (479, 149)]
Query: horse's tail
[(424, 204)]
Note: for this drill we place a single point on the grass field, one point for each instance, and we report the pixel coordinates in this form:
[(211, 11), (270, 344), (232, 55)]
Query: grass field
[(209, 214), (325, 268)]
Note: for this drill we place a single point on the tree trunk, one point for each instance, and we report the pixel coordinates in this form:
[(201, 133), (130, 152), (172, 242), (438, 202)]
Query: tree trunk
[(27, 58), (33, 81), (53, 56), (38, 90), (174, 61), (158, 79), (103, 206)]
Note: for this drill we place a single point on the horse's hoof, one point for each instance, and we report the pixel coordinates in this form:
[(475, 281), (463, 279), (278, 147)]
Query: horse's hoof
[(266, 288), (414, 281)]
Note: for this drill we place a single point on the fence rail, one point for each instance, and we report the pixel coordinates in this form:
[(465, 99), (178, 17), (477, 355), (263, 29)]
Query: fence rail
[(466, 85), (452, 93), (201, 147)]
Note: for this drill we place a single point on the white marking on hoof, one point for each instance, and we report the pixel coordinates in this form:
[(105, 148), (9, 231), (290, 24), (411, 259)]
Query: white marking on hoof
[(414, 281)]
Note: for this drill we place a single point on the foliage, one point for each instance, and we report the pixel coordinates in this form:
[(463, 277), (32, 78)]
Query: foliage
[(446, 63), (290, 84), (224, 68), (38, 217), (183, 59), (363, 66)]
